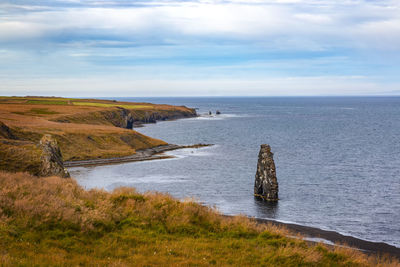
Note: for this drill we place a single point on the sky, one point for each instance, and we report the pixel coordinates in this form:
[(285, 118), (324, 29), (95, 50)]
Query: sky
[(199, 48)]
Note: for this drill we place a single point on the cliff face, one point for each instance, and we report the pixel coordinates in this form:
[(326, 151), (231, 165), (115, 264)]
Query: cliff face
[(126, 118), (266, 183), (162, 115), (120, 118)]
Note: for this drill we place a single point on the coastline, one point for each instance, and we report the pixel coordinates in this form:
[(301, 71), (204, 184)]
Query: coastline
[(83, 129), (309, 233), (140, 155)]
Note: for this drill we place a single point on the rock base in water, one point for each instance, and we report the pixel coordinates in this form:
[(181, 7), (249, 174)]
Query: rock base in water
[(266, 184)]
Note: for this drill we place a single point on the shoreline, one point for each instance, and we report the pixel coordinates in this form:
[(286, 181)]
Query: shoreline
[(309, 233), (140, 155)]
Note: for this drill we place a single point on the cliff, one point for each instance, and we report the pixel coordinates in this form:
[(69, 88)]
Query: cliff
[(127, 118), (82, 128)]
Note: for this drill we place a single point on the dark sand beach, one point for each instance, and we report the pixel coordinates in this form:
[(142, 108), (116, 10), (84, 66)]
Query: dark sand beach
[(314, 234)]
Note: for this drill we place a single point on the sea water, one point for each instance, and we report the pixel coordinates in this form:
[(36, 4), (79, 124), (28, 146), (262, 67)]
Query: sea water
[(337, 160)]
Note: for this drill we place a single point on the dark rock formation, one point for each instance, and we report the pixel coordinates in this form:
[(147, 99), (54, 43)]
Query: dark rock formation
[(6, 132), (126, 118), (266, 184), (218, 112), (120, 117), (51, 158)]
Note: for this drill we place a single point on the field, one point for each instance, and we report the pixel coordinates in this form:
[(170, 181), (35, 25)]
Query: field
[(53, 221), (84, 128)]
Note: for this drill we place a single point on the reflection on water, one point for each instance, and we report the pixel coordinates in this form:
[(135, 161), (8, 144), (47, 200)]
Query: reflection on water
[(266, 209)]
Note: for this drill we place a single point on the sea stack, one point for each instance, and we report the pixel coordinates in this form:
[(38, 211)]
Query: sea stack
[(266, 184)]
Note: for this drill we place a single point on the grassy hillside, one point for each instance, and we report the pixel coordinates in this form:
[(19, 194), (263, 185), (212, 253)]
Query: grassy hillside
[(84, 128), (54, 222)]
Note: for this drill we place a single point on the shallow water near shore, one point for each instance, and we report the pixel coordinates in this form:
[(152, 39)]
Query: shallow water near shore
[(337, 159)]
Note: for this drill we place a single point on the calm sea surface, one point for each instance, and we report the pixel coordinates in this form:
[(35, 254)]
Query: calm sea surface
[(337, 160)]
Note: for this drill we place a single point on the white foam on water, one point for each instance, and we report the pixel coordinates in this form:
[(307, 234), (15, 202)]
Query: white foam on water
[(190, 152), (152, 179), (218, 117)]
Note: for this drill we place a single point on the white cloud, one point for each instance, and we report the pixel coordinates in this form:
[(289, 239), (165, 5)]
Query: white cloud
[(346, 23), (123, 86), (159, 47)]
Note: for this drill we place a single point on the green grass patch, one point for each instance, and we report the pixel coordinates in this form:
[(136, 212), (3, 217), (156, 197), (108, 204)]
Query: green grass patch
[(43, 111), (19, 113), (36, 111), (46, 102), (105, 105)]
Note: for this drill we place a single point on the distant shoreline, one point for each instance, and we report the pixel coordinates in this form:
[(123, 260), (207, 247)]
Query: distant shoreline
[(140, 155)]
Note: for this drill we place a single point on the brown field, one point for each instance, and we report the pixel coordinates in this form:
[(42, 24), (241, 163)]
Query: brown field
[(88, 134)]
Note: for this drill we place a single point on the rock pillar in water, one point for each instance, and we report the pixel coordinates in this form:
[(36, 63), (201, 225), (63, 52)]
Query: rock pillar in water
[(266, 184), (52, 163)]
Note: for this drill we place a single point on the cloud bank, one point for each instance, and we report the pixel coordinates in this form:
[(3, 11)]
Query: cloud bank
[(281, 47)]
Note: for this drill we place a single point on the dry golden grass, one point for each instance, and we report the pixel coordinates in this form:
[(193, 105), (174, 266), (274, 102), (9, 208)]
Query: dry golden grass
[(20, 156), (54, 222), (90, 133), (108, 105)]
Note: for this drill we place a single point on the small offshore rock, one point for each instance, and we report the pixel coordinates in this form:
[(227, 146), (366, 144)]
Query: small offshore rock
[(218, 112), (51, 158), (266, 183)]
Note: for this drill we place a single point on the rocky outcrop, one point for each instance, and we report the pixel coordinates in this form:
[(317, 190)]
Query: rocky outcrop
[(6, 132), (266, 184), (51, 158), (154, 116), (120, 118), (127, 118)]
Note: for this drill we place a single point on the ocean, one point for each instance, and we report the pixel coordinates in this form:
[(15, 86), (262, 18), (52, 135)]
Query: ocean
[(337, 160)]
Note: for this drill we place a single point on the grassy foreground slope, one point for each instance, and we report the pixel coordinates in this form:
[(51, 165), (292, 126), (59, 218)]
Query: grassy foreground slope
[(54, 222), (84, 128)]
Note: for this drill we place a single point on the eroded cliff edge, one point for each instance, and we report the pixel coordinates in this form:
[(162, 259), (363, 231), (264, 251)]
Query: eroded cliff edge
[(84, 129), (127, 118)]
